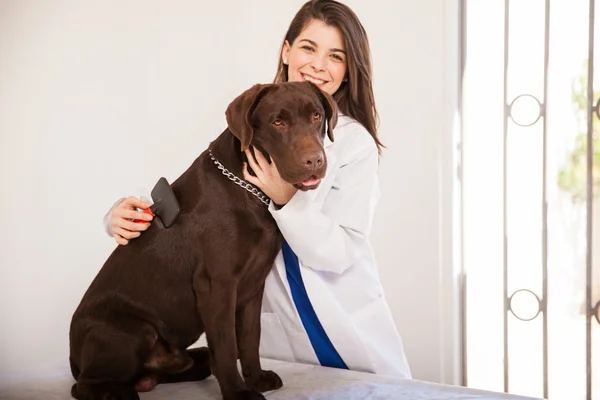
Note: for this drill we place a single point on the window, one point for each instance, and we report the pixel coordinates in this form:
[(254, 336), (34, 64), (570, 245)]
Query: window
[(531, 230)]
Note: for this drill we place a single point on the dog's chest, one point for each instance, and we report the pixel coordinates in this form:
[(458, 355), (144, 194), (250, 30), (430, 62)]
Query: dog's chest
[(258, 251)]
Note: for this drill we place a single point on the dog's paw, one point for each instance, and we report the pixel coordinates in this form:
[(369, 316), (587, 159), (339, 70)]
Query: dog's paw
[(267, 380), (246, 394), (146, 384)]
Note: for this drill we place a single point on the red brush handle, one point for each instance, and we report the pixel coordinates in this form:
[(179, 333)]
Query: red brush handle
[(145, 211)]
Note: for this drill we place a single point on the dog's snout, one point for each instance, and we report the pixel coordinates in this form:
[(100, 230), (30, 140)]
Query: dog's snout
[(313, 159)]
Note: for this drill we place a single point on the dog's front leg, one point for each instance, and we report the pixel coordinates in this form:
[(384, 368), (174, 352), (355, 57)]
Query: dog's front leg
[(216, 301), (248, 340)]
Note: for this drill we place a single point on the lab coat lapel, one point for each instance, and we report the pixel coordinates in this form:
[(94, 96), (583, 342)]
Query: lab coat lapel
[(337, 324)]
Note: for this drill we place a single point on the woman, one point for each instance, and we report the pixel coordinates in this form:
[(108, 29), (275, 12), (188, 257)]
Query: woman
[(323, 301)]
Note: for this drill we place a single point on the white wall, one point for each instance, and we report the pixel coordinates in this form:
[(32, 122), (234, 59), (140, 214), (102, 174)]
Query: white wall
[(98, 100)]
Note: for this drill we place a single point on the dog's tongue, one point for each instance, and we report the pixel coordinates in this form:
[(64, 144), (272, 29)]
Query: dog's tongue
[(310, 181)]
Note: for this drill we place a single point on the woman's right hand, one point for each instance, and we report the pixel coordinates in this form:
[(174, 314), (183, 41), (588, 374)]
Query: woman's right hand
[(121, 222)]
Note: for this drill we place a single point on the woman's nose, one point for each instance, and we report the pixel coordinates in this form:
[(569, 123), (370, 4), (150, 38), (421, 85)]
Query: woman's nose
[(318, 63)]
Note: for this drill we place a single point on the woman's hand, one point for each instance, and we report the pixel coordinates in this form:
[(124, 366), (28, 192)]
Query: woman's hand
[(268, 179), (121, 222)]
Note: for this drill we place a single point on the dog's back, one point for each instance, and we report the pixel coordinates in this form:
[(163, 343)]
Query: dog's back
[(155, 271)]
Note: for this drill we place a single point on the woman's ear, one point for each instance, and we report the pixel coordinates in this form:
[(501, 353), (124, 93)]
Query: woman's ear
[(285, 52)]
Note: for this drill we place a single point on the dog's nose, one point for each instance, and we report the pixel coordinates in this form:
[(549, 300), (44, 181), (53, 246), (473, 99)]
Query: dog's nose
[(313, 160)]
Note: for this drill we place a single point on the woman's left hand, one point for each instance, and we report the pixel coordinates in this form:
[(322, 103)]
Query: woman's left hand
[(267, 178)]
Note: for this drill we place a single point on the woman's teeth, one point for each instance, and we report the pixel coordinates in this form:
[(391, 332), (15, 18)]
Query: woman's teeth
[(313, 80)]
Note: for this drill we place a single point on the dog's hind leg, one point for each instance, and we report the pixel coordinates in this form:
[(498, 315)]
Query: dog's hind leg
[(109, 362), (199, 370), (167, 364)]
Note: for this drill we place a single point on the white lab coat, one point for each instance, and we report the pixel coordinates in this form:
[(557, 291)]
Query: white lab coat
[(328, 230)]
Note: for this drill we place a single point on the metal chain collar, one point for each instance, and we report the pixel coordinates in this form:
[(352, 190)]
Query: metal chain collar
[(249, 187)]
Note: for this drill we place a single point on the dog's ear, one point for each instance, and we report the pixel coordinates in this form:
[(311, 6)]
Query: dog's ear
[(239, 114), (331, 109)]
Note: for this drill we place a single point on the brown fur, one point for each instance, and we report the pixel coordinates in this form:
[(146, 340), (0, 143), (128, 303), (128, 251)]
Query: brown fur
[(153, 298)]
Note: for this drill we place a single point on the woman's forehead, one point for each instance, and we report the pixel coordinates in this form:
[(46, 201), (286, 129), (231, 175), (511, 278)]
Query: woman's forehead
[(322, 35)]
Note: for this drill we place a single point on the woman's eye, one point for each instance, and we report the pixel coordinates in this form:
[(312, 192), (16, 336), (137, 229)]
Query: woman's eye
[(277, 122), (317, 116), (337, 58), (309, 48)]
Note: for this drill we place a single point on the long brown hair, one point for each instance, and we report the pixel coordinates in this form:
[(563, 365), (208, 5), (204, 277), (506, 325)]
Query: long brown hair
[(355, 95)]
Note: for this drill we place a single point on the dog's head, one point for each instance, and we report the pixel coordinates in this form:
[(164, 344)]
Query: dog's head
[(286, 121)]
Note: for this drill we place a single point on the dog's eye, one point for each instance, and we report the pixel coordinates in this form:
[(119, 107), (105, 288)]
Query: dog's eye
[(277, 122), (317, 116)]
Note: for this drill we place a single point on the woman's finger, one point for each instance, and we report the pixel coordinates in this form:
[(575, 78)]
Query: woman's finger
[(120, 240), (126, 234), (133, 214), (252, 179), (133, 201), (134, 226), (260, 158), (252, 162), (274, 170)]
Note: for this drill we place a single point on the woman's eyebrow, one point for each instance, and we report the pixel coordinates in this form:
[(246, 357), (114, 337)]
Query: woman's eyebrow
[(315, 44)]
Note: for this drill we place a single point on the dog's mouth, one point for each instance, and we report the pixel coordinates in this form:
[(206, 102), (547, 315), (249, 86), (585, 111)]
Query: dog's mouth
[(310, 183), (299, 176)]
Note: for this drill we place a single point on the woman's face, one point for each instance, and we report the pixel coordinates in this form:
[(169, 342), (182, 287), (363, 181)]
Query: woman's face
[(317, 55)]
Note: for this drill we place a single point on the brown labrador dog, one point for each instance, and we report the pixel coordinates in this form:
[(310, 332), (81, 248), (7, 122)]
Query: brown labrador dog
[(153, 298)]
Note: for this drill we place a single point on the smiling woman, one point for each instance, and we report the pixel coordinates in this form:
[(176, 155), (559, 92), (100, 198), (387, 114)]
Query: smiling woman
[(320, 63)]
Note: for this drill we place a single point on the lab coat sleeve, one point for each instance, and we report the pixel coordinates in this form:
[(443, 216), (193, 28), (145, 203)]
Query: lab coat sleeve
[(331, 238)]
